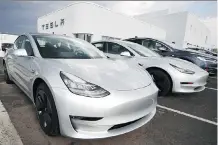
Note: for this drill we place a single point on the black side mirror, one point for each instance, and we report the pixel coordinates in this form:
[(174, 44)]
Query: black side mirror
[(4, 49), (164, 51)]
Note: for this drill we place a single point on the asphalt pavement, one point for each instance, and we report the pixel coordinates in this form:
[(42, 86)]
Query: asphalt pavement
[(166, 128)]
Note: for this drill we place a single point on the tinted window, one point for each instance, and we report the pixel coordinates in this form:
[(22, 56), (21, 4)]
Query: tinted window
[(51, 46), (141, 50), (149, 44), (114, 48), (100, 46), (135, 41), (146, 43), (153, 45), (27, 46), (19, 41)]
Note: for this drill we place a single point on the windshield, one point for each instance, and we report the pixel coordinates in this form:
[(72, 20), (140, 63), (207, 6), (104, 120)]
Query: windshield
[(170, 44), (52, 46), (141, 50)]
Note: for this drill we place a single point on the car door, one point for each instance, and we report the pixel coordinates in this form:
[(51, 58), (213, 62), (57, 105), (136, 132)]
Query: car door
[(24, 64), (113, 50), (12, 59)]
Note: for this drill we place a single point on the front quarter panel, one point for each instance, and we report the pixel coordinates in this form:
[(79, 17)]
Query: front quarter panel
[(48, 72)]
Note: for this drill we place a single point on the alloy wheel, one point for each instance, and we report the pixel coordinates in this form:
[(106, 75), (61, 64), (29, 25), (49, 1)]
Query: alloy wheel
[(44, 111)]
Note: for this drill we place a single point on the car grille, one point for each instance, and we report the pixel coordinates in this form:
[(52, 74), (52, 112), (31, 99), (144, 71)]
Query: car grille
[(123, 124)]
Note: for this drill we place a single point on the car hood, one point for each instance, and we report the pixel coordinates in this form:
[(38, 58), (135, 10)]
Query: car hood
[(109, 74), (198, 54), (163, 61), (183, 64)]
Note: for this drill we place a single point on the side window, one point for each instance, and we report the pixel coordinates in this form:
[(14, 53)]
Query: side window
[(114, 48), (153, 45), (146, 43), (100, 46), (150, 44), (138, 41), (19, 41), (27, 46)]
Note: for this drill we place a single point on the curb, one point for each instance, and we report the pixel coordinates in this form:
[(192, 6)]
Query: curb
[(8, 133)]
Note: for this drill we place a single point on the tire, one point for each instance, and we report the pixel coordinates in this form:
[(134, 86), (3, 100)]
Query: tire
[(6, 76), (46, 110), (162, 81)]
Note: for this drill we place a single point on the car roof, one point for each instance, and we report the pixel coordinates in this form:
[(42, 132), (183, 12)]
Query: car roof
[(107, 41), (141, 38), (136, 38), (45, 34)]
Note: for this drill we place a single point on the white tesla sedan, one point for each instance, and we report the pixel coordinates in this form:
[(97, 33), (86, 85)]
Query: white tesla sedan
[(77, 91), (170, 74)]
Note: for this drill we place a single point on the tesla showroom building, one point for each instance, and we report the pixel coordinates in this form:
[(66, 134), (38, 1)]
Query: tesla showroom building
[(93, 22), (183, 28)]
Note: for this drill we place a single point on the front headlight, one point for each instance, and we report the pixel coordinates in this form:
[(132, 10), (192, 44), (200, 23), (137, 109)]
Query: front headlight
[(187, 71), (201, 58), (80, 87)]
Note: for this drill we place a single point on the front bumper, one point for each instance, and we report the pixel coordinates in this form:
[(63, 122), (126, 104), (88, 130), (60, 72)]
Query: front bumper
[(118, 113), (198, 80)]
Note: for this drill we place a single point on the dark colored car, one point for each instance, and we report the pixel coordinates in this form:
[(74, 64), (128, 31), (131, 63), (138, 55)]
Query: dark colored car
[(206, 62), (202, 51)]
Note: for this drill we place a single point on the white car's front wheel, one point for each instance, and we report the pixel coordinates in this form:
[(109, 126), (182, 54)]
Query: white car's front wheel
[(46, 110), (162, 81)]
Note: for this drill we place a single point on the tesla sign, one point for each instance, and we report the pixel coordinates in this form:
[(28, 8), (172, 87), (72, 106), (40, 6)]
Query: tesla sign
[(52, 25)]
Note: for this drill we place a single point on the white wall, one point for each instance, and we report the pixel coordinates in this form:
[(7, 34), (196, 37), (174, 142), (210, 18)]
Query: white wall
[(84, 17), (196, 32), (152, 14), (177, 26), (174, 25)]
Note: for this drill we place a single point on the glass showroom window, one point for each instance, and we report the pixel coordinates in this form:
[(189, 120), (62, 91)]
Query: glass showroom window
[(84, 36)]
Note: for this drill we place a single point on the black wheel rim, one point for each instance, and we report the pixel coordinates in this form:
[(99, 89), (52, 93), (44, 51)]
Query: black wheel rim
[(44, 110)]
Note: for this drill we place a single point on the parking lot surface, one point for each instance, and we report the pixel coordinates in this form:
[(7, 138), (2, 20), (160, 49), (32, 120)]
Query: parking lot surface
[(166, 128)]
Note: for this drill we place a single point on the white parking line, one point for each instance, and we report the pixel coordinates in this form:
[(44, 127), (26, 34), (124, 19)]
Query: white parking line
[(211, 88), (188, 115), (8, 134)]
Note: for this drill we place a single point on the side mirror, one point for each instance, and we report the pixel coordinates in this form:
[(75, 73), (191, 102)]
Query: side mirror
[(125, 53), (4, 49), (20, 52)]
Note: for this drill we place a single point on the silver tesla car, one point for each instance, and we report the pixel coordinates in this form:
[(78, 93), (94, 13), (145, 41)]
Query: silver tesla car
[(76, 90), (170, 74)]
